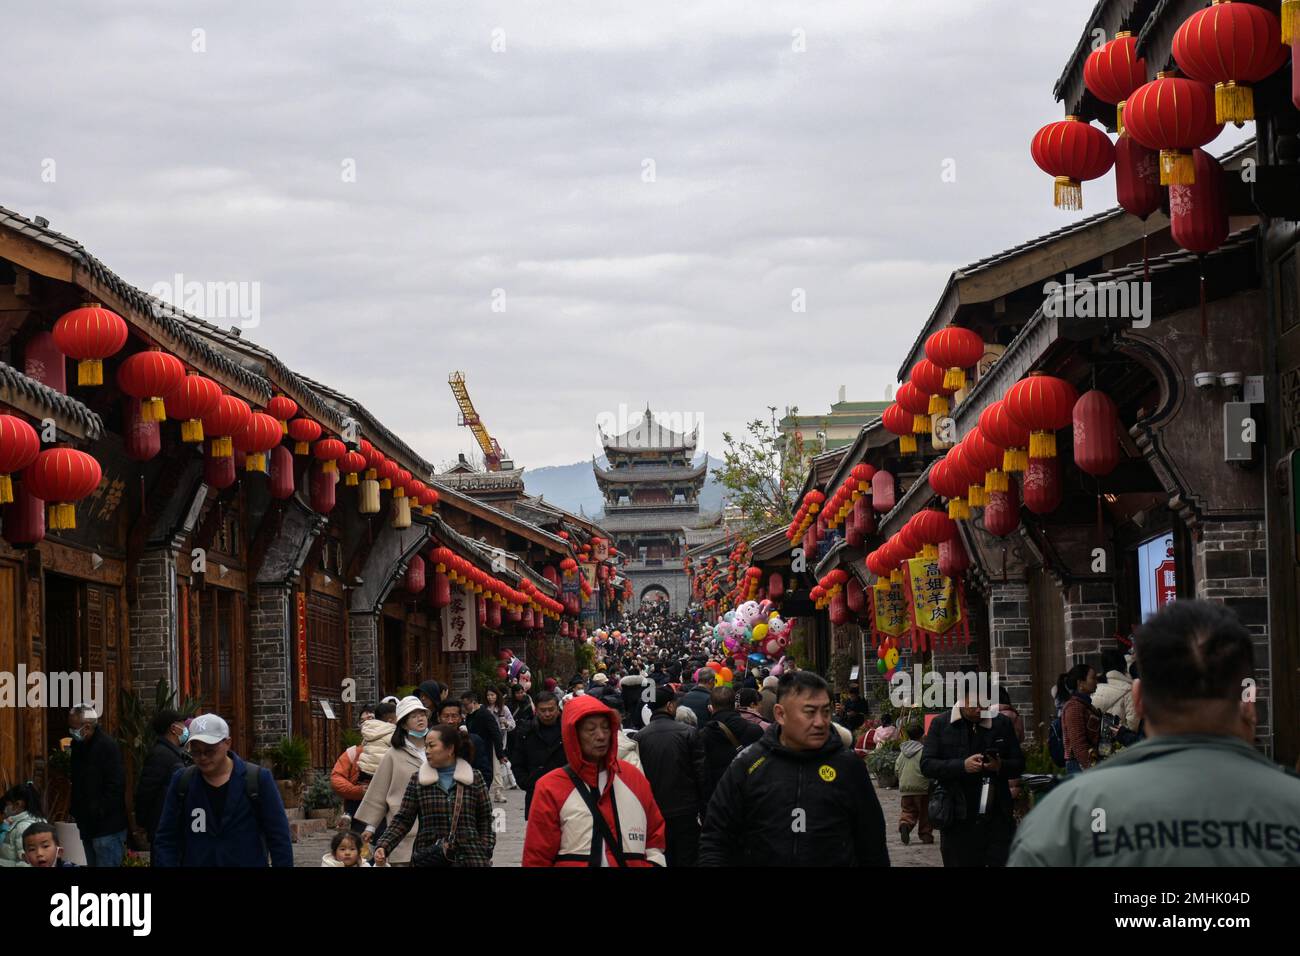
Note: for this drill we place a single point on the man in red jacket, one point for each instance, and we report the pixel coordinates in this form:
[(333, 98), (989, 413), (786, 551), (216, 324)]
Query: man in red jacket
[(596, 811)]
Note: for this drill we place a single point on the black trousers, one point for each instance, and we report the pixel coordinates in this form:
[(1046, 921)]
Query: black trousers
[(977, 842), (682, 835)]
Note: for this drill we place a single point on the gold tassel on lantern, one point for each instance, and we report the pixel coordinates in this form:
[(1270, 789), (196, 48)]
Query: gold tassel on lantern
[(920, 424), (153, 410), (930, 552), (907, 444), (939, 404), (1290, 21), (1233, 103), (995, 480), (954, 379), (192, 430), (351, 479), (1177, 168), (1119, 117), (6, 490), (1042, 445), (427, 511), (1069, 193), (255, 461), (369, 504), (63, 516), (958, 510), (330, 465), (975, 496), (1014, 461), (401, 513), (386, 484), (222, 447), (90, 372)]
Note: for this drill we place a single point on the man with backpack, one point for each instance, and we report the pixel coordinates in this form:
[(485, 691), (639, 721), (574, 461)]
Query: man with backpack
[(222, 811), (726, 734)]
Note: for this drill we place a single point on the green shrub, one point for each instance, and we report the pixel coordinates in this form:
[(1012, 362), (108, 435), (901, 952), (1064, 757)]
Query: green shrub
[(290, 758)]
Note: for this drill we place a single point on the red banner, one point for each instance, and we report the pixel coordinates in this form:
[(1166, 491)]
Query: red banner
[(304, 688)]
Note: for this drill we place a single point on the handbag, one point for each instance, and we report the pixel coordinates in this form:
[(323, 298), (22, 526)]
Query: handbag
[(947, 805), (443, 851)]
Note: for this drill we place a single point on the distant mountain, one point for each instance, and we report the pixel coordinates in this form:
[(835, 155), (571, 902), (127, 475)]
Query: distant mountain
[(573, 487)]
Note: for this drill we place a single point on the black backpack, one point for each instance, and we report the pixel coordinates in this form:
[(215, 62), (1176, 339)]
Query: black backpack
[(251, 781)]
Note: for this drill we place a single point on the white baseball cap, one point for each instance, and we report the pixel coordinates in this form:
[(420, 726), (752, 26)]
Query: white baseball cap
[(208, 729)]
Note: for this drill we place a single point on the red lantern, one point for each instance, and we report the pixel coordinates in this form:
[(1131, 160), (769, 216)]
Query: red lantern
[(303, 431), (149, 376), (1137, 178), (322, 489), (328, 451), (259, 436), (413, 582), (933, 527), (882, 491), (1043, 485), (388, 472), (141, 439), (229, 418), (913, 400), (852, 535), (946, 483), (90, 334), (955, 350), (1043, 404), (1231, 45), (986, 456), (1096, 433), (1174, 115), (972, 469), (853, 596), (282, 484), (864, 517), (898, 422), (218, 470), (1074, 152), (953, 559), (931, 379), (839, 610), (1198, 214), (1002, 430), (775, 586), (493, 615), (1002, 513), (43, 361), (193, 399), (19, 447), (23, 520), (282, 408), (62, 477), (440, 597), (482, 612), (351, 465), (1113, 72)]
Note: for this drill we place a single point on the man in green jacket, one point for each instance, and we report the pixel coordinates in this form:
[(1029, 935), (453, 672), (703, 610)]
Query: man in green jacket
[(1195, 792)]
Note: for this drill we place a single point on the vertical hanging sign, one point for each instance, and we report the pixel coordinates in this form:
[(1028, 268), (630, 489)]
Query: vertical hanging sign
[(460, 623), (304, 689)]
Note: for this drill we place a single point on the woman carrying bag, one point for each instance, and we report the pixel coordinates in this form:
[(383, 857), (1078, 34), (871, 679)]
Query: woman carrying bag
[(450, 800)]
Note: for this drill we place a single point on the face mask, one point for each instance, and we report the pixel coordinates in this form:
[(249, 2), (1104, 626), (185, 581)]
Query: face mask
[(74, 734), (418, 734), (185, 735)]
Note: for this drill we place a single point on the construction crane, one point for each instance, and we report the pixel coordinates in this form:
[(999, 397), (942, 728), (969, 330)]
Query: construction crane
[(494, 459)]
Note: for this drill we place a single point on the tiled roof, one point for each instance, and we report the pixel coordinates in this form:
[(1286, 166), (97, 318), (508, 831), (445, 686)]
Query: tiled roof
[(18, 389), (146, 310), (619, 476)]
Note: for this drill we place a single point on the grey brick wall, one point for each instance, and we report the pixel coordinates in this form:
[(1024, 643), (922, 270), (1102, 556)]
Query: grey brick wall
[(271, 662), (1009, 650), (153, 622), (363, 632), (1091, 617)]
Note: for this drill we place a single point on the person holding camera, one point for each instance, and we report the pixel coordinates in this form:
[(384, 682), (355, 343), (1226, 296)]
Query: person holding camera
[(972, 757), (450, 799)]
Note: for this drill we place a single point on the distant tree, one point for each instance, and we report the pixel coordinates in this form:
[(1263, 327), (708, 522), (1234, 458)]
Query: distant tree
[(762, 472)]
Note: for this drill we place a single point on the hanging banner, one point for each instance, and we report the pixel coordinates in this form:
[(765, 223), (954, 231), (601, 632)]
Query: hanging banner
[(304, 688), (600, 551), (460, 623), (891, 611), (935, 606), (589, 575)]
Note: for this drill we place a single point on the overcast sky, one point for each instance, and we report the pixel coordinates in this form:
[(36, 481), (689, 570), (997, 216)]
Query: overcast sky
[(525, 169)]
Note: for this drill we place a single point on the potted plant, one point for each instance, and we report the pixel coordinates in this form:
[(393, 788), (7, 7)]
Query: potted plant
[(290, 760), (881, 763), (319, 799)]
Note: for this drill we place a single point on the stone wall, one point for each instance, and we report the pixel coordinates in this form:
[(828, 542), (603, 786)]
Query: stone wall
[(1009, 650), (363, 633), (1091, 619), (153, 623), (270, 663)]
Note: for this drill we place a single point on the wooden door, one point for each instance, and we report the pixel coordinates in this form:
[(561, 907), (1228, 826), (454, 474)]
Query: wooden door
[(326, 668), (219, 675), (10, 750)]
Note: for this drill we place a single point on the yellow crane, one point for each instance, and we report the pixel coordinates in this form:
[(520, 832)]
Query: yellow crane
[(493, 456)]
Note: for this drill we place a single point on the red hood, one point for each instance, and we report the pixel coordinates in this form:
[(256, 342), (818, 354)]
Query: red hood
[(574, 711)]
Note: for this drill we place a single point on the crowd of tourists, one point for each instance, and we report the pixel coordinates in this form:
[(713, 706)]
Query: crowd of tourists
[(647, 755)]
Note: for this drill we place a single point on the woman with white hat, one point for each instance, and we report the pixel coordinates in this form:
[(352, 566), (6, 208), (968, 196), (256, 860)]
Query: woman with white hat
[(402, 761)]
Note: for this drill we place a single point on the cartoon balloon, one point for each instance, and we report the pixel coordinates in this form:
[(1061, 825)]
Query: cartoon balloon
[(773, 648), (760, 631), (880, 666), (891, 659)]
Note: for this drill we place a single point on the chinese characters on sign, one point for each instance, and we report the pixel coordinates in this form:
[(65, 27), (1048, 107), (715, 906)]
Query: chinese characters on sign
[(304, 691), (935, 607), (460, 623), (891, 611), (1166, 583)]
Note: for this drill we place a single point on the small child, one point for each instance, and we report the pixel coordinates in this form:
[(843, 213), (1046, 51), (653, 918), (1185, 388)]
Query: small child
[(345, 850), (41, 846), (22, 808), (913, 788)]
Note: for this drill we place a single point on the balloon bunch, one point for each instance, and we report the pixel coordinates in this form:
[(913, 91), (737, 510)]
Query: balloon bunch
[(754, 629), (513, 669), (887, 657)]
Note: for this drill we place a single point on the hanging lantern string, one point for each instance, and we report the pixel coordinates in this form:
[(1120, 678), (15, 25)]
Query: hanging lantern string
[(1205, 322)]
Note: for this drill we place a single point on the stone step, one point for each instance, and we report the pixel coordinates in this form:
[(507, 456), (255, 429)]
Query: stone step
[(301, 828), (295, 813)]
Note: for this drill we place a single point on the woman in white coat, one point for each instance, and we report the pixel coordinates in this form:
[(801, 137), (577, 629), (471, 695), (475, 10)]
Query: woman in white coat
[(402, 761), (502, 778)]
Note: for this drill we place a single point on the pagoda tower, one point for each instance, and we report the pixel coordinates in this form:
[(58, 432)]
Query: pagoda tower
[(652, 496)]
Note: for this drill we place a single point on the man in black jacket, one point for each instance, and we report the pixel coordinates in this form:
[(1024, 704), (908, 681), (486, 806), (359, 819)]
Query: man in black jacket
[(797, 797), (974, 756), (539, 747), (722, 737), (98, 789), (672, 759), (697, 698), (164, 760)]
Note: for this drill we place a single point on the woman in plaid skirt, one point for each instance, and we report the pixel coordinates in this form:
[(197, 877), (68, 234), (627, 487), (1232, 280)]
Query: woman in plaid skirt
[(451, 801)]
